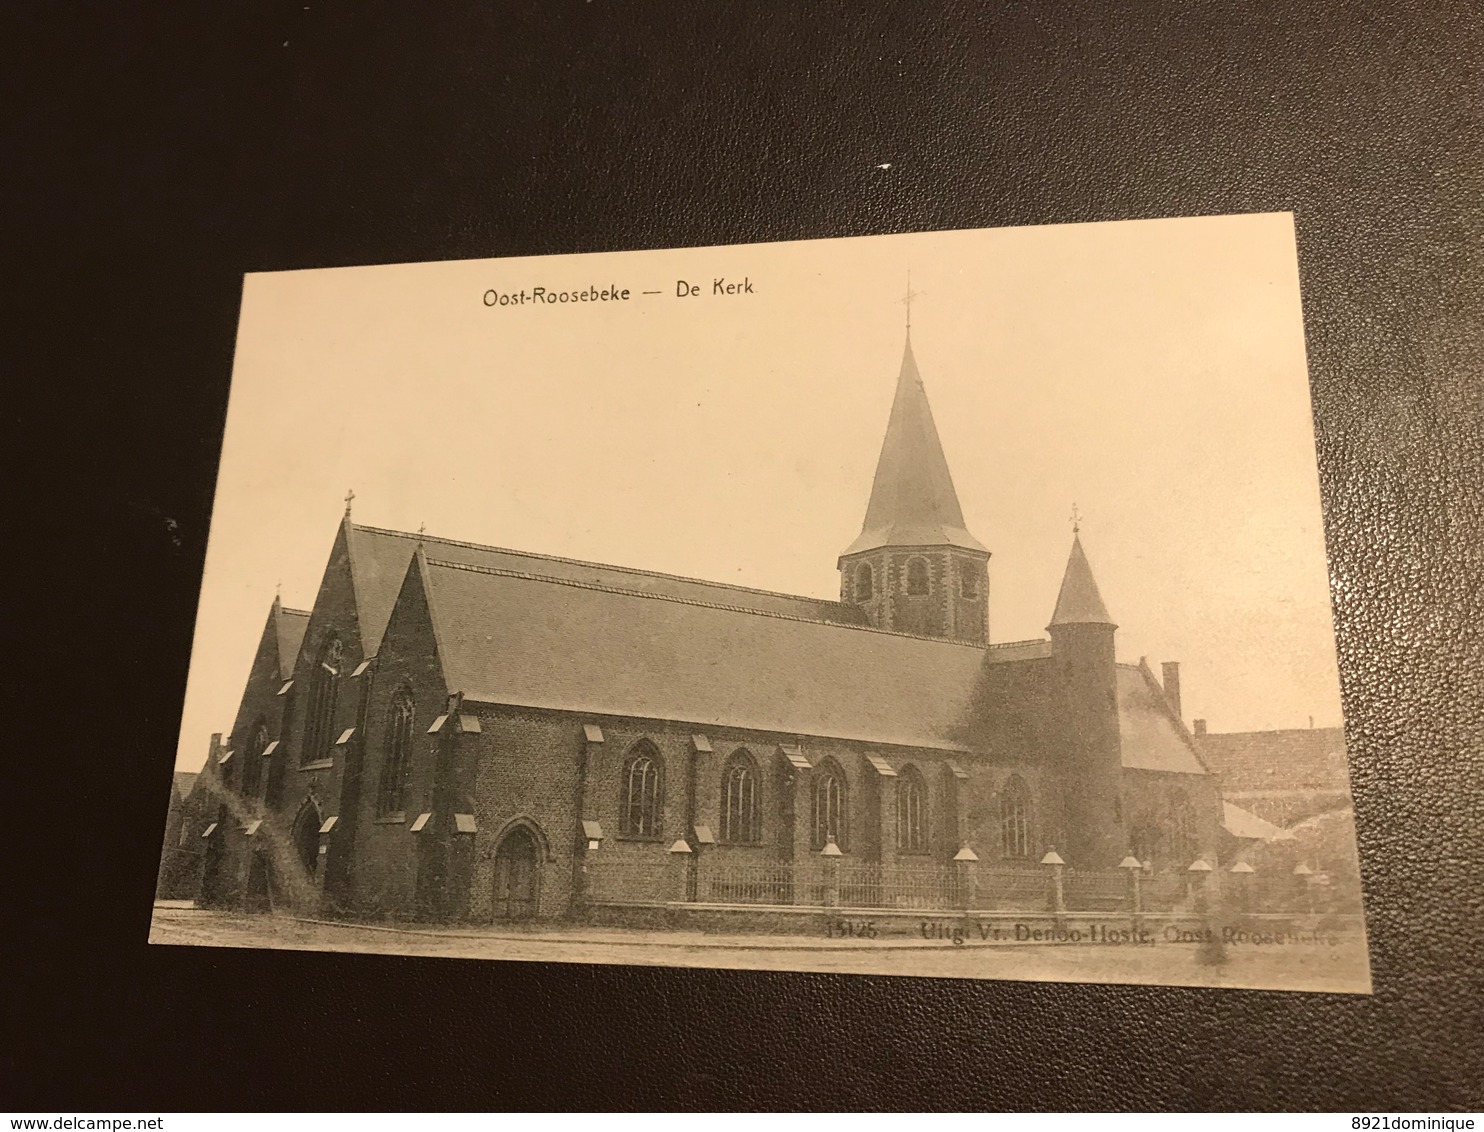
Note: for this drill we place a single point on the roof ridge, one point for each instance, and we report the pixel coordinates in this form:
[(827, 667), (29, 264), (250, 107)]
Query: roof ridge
[(1273, 731), (502, 573), (427, 538)]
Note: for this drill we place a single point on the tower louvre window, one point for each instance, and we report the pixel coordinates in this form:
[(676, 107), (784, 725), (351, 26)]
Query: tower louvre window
[(865, 582), (968, 580), (918, 583)]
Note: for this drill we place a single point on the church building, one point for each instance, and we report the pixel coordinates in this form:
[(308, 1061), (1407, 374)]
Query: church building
[(457, 732)]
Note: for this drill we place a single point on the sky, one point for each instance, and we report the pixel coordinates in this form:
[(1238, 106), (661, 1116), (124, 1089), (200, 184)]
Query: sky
[(1150, 372)]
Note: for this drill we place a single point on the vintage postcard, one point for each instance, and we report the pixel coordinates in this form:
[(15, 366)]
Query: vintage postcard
[(946, 604)]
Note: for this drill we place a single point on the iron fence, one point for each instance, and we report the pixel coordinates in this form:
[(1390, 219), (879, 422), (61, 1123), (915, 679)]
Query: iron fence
[(1093, 891), (1000, 886), (773, 883), (898, 886), (1012, 887)]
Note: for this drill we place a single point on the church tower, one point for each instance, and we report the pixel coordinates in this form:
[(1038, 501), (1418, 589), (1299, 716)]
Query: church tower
[(1085, 706), (914, 568)]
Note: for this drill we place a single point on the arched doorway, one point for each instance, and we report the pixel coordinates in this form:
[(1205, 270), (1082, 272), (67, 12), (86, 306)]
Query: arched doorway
[(517, 876), (306, 839)]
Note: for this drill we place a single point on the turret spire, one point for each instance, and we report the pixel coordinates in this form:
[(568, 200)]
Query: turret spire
[(1079, 602), (913, 502)]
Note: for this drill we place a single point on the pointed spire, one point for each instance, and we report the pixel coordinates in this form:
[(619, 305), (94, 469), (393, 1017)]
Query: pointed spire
[(913, 502), (1079, 602)]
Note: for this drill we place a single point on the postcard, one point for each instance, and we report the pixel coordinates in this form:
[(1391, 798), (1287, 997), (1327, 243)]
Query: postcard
[(940, 604)]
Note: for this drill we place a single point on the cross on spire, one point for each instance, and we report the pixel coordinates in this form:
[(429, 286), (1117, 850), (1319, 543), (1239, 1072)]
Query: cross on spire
[(1076, 519), (908, 297), (350, 496)]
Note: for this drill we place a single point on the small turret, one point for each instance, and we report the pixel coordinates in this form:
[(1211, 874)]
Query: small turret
[(1086, 706)]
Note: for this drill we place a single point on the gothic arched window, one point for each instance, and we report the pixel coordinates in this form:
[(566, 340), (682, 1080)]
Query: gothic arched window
[(911, 812), (917, 577), (865, 582), (252, 759), (740, 817), (1015, 819), (829, 806), (324, 690), (391, 791), (968, 579), (640, 812), (1182, 835)]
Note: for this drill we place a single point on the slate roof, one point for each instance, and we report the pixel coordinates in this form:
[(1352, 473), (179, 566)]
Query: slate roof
[(512, 638), (1301, 760), (913, 502), (1079, 602), (290, 625), (183, 781), (1241, 823), (536, 642), (379, 560), (1152, 738)]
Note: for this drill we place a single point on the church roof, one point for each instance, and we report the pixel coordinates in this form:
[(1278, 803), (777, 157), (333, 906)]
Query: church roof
[(913, 502), (379, 560), (524, 640), (1149, 735), (1078, 602), (1299, 759), (538, 642), (183, 781), (289, 624), (1242, 823)]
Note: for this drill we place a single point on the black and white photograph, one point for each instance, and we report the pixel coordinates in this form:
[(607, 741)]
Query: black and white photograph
[(949, 604)]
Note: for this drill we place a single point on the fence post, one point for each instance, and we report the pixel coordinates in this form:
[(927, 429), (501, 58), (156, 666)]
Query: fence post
[(680, 854), (831, 854), (1243, 884), (1212, 950), (1058, 899), (1303, 876), (1133, 867), (966, 862), (1199, 874)]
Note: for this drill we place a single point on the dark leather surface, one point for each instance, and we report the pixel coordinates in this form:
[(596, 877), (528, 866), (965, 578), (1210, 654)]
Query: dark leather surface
[(158, 151)]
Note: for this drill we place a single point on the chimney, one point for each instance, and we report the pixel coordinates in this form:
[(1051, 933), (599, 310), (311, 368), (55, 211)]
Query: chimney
[(1200, 727), (1172, 685)]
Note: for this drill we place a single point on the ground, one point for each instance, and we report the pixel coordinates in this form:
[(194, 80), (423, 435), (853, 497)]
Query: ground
[(1340, 966)]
